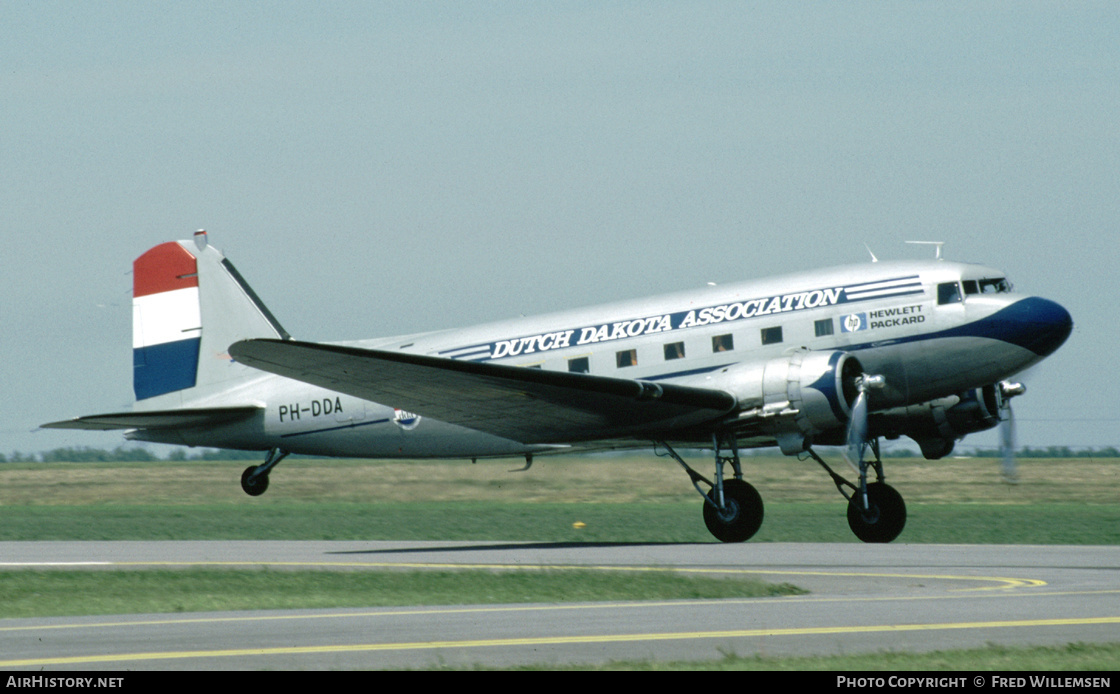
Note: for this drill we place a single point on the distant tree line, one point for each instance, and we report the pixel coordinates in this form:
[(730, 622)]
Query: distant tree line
[(1025, 452), (1051, 452), (121, 454)]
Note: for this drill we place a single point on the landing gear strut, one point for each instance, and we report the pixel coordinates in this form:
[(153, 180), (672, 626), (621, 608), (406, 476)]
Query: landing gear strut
[(876, 512), (732, 508), (255, 478)]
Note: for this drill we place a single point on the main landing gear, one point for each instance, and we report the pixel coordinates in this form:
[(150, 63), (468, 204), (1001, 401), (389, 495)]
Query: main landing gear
[(732, 508), (254, 481), (876, 512)]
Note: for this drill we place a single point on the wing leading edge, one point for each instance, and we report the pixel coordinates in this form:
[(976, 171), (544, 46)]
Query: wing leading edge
[(522, 404)]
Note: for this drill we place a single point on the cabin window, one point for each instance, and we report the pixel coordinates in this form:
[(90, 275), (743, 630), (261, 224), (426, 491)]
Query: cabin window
[(579, 365), (674, 350), (823, 327), (723, 343), (627, 357), (948, 293), (771, 336)]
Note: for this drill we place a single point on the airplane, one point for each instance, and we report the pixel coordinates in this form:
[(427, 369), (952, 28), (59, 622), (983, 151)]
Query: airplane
[(831, 357)]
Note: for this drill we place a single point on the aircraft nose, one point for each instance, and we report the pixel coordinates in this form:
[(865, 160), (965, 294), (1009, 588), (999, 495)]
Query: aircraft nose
[(1040, 325)]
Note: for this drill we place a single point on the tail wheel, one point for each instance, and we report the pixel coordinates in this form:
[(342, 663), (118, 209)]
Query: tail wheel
[(884, 518), (741, 516), (254, 486)]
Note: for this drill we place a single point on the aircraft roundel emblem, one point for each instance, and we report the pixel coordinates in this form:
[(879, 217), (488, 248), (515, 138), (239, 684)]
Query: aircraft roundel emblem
[(405, 420)]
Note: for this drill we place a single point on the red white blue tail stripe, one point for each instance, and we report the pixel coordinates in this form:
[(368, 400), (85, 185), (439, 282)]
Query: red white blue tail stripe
[(166, 321)]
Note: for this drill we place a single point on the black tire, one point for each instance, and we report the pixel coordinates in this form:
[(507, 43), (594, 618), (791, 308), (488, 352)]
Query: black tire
[(253, 487), (885, 518), (742, 514)]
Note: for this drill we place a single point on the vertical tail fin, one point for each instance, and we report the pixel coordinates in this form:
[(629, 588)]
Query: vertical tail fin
[(188, 305)]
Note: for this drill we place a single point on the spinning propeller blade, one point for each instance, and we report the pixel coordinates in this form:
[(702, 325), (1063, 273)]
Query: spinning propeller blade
[(857, 425), (1009, 469)]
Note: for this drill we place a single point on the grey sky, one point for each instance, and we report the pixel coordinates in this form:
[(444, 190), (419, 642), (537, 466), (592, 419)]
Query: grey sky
[(382, 168)]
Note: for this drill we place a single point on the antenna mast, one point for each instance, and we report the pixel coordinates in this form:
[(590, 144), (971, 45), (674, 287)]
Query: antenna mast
[(938, 244)]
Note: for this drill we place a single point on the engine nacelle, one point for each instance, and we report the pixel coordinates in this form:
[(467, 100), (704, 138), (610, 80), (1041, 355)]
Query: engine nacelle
[(795, 397), (937, 425)]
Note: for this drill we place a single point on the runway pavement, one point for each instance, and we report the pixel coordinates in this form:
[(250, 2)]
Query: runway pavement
[(863, 598)]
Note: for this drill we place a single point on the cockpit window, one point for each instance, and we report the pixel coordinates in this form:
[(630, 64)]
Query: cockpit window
[(948, 293), (951, 292), (999, 285)]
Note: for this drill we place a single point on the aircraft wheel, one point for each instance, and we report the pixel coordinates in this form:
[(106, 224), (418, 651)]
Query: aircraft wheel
[(885, 518), (253, 487), (742, 514)]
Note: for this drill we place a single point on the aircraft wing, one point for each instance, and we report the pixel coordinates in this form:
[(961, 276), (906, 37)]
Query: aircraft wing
[(518, 403), (157, 419)]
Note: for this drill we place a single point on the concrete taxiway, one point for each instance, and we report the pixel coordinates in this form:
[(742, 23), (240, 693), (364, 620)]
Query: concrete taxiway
[(863, 598)]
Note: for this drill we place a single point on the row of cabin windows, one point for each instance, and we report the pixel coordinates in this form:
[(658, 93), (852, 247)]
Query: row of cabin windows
[(675, 350)]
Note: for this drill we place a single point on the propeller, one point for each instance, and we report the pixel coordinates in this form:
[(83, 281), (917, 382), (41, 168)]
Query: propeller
[(857, 424), (1009, 469)]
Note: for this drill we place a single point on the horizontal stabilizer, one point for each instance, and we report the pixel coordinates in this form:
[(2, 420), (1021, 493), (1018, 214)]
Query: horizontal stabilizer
[(514, 402), (160, 419)]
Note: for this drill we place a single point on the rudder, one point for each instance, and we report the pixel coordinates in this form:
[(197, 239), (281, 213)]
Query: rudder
[(166, 321)]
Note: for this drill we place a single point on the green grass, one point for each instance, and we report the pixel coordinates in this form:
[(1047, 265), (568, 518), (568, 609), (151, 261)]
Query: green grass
[(622, 498), (604, 479), (546, 522), (39, 593)]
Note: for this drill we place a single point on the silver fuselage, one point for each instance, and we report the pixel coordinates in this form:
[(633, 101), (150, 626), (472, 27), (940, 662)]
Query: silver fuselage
[(899, 318)]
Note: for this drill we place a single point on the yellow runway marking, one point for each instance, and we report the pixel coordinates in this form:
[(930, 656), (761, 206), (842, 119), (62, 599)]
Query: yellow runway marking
[(544, 641)]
